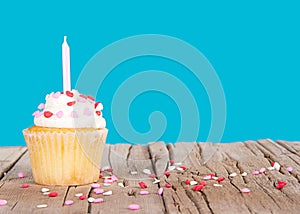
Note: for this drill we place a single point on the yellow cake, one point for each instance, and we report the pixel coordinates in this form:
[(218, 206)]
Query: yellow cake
[(66, 143)]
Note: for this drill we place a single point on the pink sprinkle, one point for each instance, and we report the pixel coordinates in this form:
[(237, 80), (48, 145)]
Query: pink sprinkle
[(245, 190), (160, 191), (59, 114), (108, 180), (21, 175), (98, 200), (95, 185), (87, 112), (172, 162), (56, 95), (208, 177), (255, 172), (35, 113), (144, 192), (98, 191), (289, 169), (74, 114), (114, 177), (69, 202), (133, 207), (38, 114), (262, 170), (41, 106), (3, 202)]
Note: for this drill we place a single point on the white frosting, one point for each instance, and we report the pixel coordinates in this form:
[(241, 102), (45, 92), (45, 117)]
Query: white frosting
[(69, 110)]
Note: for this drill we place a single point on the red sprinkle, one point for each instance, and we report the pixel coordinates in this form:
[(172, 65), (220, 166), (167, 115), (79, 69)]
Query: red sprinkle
[(272, 164), (98, 113), (143, 185), (168, 185), (82, 197), (48, 114), (91, 98), (69, 94), (167, 173), (71, 103), (197, 187), (202, 183), (83, 96), (172, 161), (281, 183), (110, 170), (187, 181), (212, 175), (182, 167), (220, 179), (25, 185), (96, 104), (280, 186), (53, 194)]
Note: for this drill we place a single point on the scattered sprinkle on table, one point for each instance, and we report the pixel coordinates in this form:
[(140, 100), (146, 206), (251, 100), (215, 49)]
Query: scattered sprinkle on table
[(98, 191), (142, 185), (95, 185), (245, 190), (69, 202), (144, 192), (53, 194), (218, 185), (244, 174), (25, 186), (193, 183), (45, 190), (3, 202), (121, 184), (91, 200), (262, 170), (98, 200), (78, 194), (107, 193), (41, 206), (147, 171), (289, 169), (21, 175), (160, 191), (133, 207), (82, 197), (233, 174), (255, 172), (134, 172)]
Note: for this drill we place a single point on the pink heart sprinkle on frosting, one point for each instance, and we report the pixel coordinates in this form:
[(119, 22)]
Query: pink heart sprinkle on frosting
[(41, 106), (59, 114), (87, 112), (56, 95), (74, 114), (38, 114), (35, 113)]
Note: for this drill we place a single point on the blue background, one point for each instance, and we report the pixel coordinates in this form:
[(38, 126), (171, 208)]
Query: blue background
[(253, 46)]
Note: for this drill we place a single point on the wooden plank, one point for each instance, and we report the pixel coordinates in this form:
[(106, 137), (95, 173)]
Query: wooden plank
[(285, 199), (9, 156), (125, 159)]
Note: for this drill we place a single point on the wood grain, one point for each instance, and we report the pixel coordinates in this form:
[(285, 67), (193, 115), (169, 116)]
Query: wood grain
[(129, 161)]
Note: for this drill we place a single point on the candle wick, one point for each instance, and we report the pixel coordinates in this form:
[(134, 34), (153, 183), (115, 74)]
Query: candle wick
[(65, 38)]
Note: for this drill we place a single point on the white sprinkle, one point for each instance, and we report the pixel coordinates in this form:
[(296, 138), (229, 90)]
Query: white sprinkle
[(107, 184), (147, 171), (244, 174), (171, 168), (79, 194), (193, 183), (91, 200), (42, 206), (215, 178), (121, 184), (218, 185), (233, 174), (107, 193), (105, 168), (156, 181), (134, 172), (276, 166), (178, 164), (46, 193), (179, 169), (271, 168), (45, 190)]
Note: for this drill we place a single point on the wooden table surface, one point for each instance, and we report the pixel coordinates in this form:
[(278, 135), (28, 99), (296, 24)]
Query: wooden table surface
[(201, 159)]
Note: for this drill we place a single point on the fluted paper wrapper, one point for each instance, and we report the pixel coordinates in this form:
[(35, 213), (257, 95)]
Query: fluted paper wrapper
[(71, 157)]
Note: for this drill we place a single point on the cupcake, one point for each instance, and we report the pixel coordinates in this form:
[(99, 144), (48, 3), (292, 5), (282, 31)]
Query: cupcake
[(66, 142)]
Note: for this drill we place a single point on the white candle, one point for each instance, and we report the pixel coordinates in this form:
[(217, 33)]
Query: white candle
[(66, 65)]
